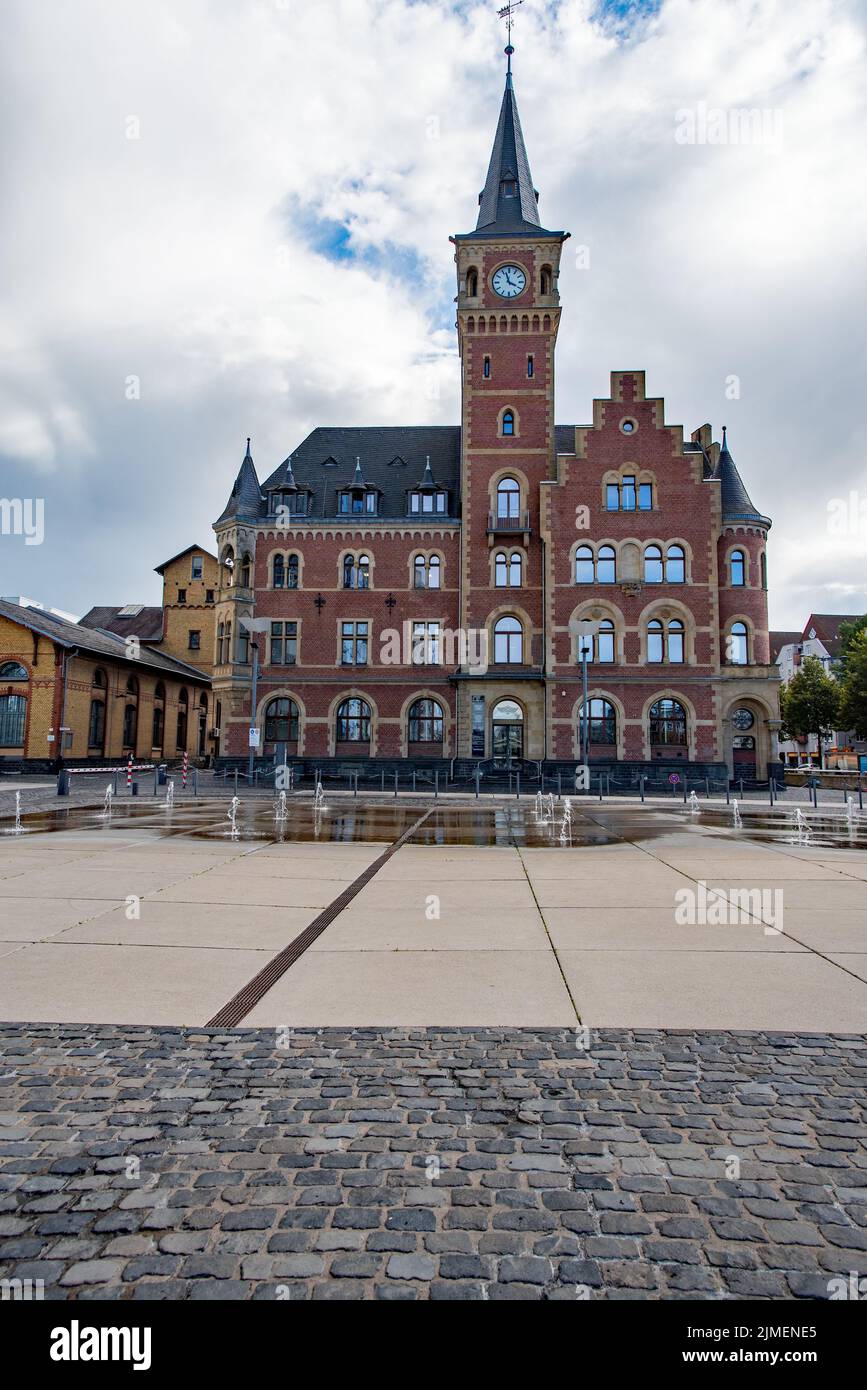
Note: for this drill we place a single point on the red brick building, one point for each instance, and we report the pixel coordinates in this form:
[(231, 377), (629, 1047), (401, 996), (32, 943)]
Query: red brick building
[(421, 588)]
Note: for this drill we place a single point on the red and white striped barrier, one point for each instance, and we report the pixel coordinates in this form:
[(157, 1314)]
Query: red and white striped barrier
[(186, 765), (129, 774), (97, 771)]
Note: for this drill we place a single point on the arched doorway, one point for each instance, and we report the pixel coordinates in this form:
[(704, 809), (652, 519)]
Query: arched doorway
[(745, 734), (668, 730), (507, 732)]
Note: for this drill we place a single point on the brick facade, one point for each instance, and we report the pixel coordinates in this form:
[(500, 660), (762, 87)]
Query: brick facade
[(529, 542)]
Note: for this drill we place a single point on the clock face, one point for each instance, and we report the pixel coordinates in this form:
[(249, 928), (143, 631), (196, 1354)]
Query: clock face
[(743, 719), (509, 281)]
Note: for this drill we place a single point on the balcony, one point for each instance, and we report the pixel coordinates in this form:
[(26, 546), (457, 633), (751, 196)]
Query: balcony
[(508, 525)]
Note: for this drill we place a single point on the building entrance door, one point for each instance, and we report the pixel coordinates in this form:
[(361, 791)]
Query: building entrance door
[(507, 732)]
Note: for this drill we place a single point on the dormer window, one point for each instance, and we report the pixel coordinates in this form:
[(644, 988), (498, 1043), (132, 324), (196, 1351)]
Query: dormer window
[(509, 188), (428, 502), (354, 502), (289, 503)]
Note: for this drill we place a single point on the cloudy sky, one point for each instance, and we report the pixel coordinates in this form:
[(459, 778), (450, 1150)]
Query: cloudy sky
[(231, 217)]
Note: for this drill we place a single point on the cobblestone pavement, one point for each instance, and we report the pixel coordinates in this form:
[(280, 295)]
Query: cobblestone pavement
[(430, 1163)]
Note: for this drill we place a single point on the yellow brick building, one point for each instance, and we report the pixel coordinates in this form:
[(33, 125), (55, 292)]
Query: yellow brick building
[(86, 695)]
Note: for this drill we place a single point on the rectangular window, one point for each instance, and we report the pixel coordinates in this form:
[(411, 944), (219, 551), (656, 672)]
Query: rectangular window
[(182, 595), (645, 497), (486, 369), (284, 644), (530, 367), (195, 641), (441, 501), (196, 567), (353, 644), (414, 501), (370, 502), (243, 646), (345, 501), (209, 596), (425, 644), (612, 493), (627, 494), (427, 502)]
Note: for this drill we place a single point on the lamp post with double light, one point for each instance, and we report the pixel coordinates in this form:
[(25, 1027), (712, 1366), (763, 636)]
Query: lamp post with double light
[(254, 626)]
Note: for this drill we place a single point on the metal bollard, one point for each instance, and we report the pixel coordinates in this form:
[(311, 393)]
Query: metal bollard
[(742, 788), (413, 779), (684, 791), (641, 784), (437, 783), (559, 785), (383, 780), (477, 776), (728, 794), (518, 785), (395, 783), (195, 781), (236, 781), (707, 787), (600, 786), (156, 780), (771, 790)]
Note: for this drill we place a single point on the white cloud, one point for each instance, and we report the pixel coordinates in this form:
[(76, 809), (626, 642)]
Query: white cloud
[(179, 257)]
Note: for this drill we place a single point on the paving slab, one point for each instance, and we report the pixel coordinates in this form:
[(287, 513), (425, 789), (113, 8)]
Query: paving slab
[(32, 919), (654, 929), (414, 988), (125, 985), (361, 928), (198, 925), (786, 991)]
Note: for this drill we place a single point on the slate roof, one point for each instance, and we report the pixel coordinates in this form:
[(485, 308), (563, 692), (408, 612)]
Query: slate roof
[(736, 503), (146, 625), (392, 461), (245, 499), (499, 214), (96, 641)]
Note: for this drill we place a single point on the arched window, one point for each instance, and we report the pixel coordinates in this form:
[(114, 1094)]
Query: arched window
[(516, 569), (472, 282), (665, 644), (599, 646), (425, 722), (349, 572), (96, 727), (737, 569), (584, 568), (434, 572), (130, 726), (99, 681), (508, 499), (601, 722), (353, 722), (13, 710), (675, 565), (158, 722), (738, 653), (221, 644), (14, 671), (281, 721), (501, 569), (667, 723), (227, 568), (246, 564), (545, 280), (292, 572), (279, 572), (419, 572), (183, 709), (363, 572), (653, 565), (486, 368), (508, 422), (508, 642), (229, 654), (606, 565), (763, 565)]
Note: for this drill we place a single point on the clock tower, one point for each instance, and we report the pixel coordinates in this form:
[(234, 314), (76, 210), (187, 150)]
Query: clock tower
[(508, 314)]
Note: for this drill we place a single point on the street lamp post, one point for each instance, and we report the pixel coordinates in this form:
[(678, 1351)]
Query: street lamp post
[(254, 626), (586, 630)]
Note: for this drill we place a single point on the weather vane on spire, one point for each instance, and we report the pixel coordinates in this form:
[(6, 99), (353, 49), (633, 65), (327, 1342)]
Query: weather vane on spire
[(507, 13)]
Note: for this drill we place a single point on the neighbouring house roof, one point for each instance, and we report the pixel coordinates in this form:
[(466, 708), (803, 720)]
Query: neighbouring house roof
[(827, 629), (98, 642), (146, 623), (782, 639), (190, 550)]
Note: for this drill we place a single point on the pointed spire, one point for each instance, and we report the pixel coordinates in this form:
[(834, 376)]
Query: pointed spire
[(509, 202), (245, 499), (288, 482), (736, 502), (427, 478), (357, 478)]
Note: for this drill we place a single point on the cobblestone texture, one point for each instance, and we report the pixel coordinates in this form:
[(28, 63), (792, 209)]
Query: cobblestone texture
[(152, 1163)]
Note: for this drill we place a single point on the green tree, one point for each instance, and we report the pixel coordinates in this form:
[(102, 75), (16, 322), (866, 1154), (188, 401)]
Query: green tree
[(853, 702), (810, 704), (849, 635)]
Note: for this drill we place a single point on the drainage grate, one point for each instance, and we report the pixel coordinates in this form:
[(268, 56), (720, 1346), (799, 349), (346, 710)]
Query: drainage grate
[(254, 990)]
